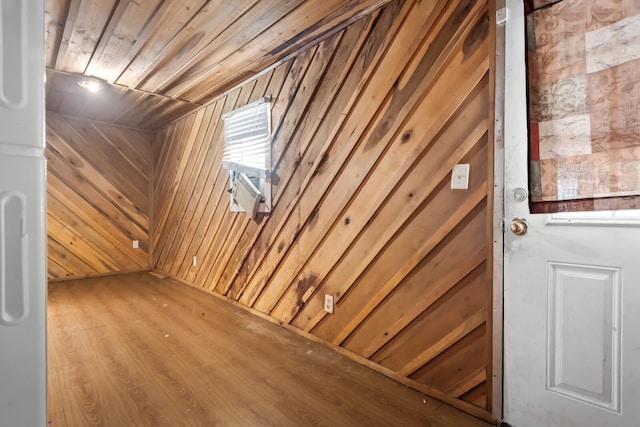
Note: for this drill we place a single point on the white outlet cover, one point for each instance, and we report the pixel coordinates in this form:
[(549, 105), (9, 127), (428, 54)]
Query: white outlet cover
[(328, 303), (195, 261), (460, 177), (136, 244)]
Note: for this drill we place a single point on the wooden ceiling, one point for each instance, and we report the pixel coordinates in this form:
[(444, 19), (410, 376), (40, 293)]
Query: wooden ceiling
[(163, 58)]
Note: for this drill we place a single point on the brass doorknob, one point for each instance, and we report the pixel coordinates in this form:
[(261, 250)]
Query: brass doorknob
[(518, 226)]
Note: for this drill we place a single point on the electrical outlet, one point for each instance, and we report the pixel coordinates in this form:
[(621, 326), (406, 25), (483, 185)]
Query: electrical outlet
[(136, 245), (328, 303), (195, 261), (460, 177)]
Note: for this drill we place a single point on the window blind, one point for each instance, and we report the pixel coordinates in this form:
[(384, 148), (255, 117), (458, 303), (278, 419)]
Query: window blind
[(247, 139)]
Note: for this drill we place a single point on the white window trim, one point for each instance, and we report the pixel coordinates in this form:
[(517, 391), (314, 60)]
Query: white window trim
[(621, 218)]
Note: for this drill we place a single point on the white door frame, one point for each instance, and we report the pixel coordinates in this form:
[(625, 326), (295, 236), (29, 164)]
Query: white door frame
[(498, 8)]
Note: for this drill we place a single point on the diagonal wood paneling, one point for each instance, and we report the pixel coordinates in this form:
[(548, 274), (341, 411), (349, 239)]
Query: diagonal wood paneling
[(367, 127), (98, 186)]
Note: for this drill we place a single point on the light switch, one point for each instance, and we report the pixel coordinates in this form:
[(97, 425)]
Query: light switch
[(460, 177)]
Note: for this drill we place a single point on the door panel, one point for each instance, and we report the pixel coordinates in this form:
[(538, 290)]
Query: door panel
[(583, 330), (571, 293)]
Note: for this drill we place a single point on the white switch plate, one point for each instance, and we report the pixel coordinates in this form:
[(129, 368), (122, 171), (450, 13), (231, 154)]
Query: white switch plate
[(328, 303), (136, 245), (195, 261), (460, 177)]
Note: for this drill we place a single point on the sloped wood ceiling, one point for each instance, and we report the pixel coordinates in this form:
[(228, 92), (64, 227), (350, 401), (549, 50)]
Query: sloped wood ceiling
[(165, 57), (97, 197), (367, 128)]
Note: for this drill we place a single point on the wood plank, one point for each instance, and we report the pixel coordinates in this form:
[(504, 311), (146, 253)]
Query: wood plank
[(252, 232), (461, 361), (477, 395), (191, 194), (80, 185), (211, 197), (191, 150), (473, 380), (300, 99), (134, 147), (94, 217), (370, 290), (100, 262), (165, 24), (165, 183), (367, 125), (419, 343), (100, 242), (256, 92), (135, 349), (290, 118), (56, 271), (113, 104), (158, 55), (223, 219), (442, 205), (468, 240), (338, 329), (299, 27), (300, 158), (373, 196), (389, 169), (83, 27), (214, 28), (65, 141), (205, 186), (91, 221), (323, 163), (71, 14), (118, 38), (67, 260), (55, 12), (259, 90), (91, 145), (447, 341)]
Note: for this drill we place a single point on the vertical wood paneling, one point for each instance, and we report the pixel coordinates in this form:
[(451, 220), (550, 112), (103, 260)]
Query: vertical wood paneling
[(98, 186), (367, 127)]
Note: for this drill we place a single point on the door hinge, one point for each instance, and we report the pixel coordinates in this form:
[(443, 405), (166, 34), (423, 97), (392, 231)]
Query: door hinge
[(501, 16)]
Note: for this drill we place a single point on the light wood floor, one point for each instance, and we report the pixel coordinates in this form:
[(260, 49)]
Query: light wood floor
[(135, 350)]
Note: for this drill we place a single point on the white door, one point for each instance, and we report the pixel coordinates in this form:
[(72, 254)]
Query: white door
[(571, 293), (23, 283)]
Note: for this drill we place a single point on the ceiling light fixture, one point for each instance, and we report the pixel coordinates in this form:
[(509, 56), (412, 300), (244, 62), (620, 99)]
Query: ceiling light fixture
[(91, 84)]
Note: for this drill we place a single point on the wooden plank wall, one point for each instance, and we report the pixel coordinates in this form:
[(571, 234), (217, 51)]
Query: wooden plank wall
[(98, 187), (368, 126)]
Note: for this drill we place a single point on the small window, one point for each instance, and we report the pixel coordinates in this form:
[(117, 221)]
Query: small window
[(247, 156)]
